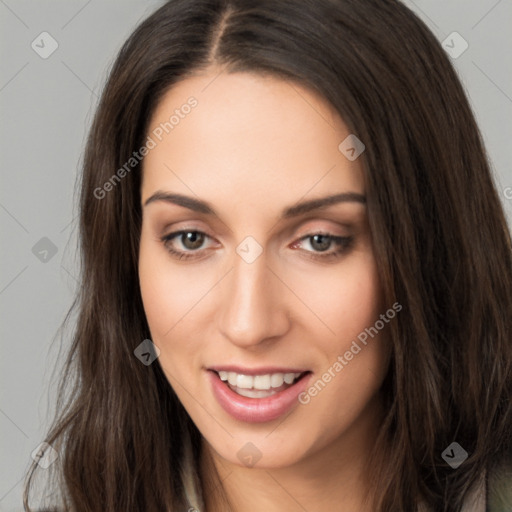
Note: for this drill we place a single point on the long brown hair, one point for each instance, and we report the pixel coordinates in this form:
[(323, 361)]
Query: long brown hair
[(440, 238)]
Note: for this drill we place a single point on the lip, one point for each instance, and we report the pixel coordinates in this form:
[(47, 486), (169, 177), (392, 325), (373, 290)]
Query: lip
[(256, 410)]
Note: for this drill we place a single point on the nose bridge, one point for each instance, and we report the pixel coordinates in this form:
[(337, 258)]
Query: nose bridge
[(252, 307)]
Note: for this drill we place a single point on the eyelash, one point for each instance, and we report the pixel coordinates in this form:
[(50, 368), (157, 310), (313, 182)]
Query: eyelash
[(344, 244)]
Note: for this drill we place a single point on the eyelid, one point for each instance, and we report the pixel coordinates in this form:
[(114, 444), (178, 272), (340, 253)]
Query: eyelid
[(311, 228)]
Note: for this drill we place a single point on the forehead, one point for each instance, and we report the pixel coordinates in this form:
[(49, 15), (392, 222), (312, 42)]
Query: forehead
[(247, 136)]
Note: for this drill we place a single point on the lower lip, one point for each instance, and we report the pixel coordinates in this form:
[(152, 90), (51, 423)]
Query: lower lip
[(256, 410)]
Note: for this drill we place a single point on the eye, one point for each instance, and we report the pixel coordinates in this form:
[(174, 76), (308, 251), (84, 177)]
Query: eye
[(191, 240), (321, 242)]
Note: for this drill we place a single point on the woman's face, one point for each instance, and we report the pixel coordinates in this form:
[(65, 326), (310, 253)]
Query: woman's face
[(261, 288)]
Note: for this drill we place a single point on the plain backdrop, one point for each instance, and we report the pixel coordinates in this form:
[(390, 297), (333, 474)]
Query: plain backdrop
[(46, 105)]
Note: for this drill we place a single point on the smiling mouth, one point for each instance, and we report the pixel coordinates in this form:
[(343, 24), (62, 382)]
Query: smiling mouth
[(259, 386), (257, 395)]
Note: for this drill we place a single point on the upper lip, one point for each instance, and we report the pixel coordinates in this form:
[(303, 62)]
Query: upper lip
[(262, 370)]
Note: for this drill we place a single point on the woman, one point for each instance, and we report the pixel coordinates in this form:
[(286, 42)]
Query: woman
[(297, 275)]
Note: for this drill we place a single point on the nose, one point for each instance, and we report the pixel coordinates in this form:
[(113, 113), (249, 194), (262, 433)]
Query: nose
[(253, 304)]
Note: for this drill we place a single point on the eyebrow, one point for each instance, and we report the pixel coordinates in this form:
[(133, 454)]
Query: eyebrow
[(301, 208)]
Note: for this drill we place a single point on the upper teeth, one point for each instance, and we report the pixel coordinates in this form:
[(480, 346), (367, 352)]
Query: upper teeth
[(274, 380)]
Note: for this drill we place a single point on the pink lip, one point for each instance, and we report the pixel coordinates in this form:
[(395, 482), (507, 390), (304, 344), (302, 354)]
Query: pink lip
[(256, 410)]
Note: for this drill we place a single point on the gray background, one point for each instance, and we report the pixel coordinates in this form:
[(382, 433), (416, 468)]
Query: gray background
[(46, 106)]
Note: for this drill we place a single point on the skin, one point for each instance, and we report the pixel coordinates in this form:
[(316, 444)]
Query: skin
[(253, 146)]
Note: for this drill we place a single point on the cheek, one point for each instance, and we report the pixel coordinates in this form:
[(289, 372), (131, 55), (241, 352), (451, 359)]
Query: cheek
[(156, 289), (352, 370), (346, 299), (161, 306), (349, 302), (166, 295)]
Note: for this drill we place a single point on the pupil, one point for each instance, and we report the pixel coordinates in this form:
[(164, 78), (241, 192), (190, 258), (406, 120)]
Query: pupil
[(195, 239), (321, 246)]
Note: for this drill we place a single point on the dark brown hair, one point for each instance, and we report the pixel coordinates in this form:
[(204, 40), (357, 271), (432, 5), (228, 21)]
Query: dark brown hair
[(440, 238)]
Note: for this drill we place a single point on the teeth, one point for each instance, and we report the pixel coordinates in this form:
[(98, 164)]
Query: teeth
[(276, 380), (255, 393), (244, 381), (262, 381), (289, 378), (258, 382)]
